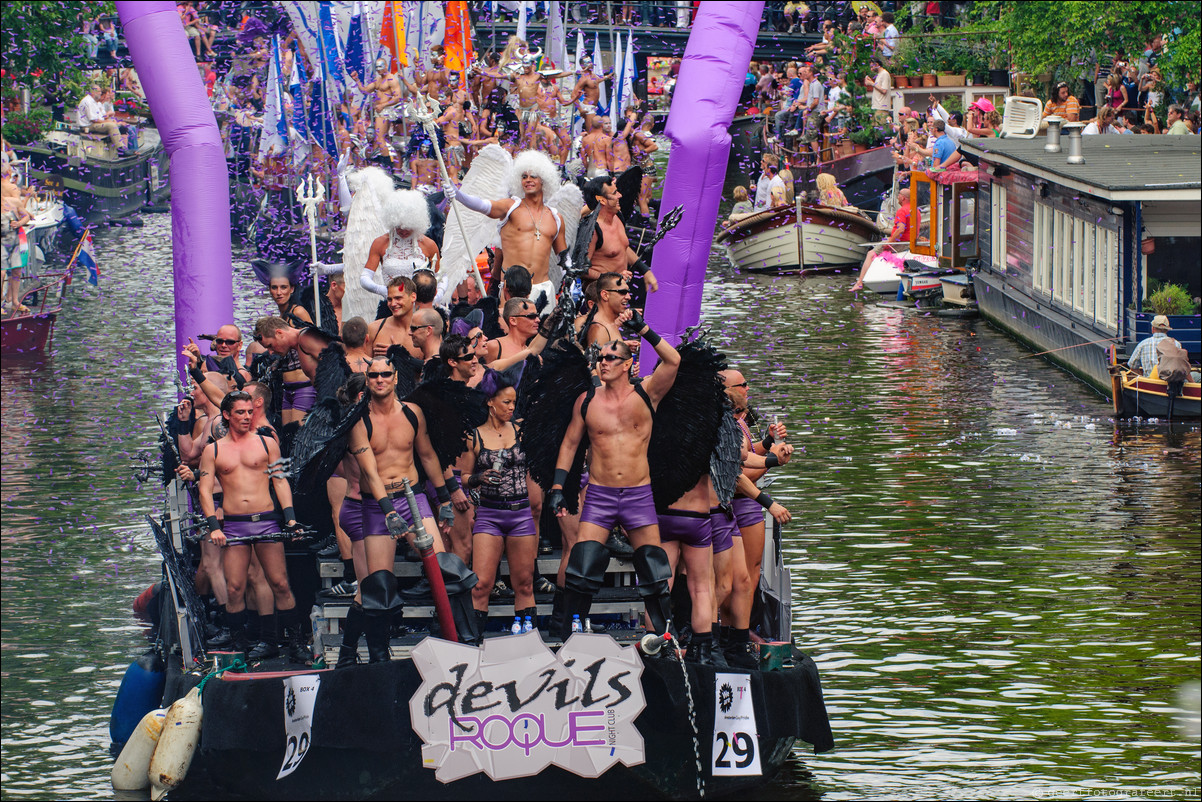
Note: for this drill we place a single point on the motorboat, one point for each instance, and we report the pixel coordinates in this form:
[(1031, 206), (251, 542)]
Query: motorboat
[(796, 237)]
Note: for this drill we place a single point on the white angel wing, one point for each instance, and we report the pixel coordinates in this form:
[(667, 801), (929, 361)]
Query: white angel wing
[(487, 178), (363, 226), (567, 202)]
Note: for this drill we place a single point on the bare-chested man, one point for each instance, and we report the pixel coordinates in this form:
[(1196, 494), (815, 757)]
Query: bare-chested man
[(619, 149), (453, 153), (300, 349), (389, 445), (389, 97), (394, 330), (485, 82), (526, 83), (617, 417), (610, 250), (595, 147), (588, 90), (531, 231), (613, 309), (354, 339), (240, 461), (436, 80), (644, 145)]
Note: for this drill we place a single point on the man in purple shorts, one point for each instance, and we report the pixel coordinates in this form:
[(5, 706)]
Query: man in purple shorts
[(388, 444), (300, 349), (617, 417), (685, 528), (240, 461)]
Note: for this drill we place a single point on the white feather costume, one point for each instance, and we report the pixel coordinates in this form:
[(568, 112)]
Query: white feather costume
[(371, 187), (404, 210), (496, 174)]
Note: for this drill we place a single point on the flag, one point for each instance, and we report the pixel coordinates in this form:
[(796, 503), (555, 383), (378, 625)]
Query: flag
[(557, 36), (87, 258), (354, 58), (296, 86), (628, 73), (522, 20), (392, 34), (457, 42), (580, 52), (425, 27), (22, 254), (275, 125), (598, 67), (619, 83)]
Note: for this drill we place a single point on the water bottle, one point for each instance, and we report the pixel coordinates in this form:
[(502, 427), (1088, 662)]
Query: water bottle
[(576, 623), (516, 629), (588, 625), (527, 625)]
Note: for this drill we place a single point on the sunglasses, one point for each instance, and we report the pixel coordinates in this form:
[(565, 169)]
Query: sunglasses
[(380, 374), (613, 358), (221, 341), (530, 316), (732, 386), (619, 292), (465, 358), (416, 329)]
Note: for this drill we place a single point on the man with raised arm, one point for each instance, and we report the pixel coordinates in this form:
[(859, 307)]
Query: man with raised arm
[(243, 462), (610, 249), (588, 90), (390, 444), (531, 232), (617, 417), (388, 104)]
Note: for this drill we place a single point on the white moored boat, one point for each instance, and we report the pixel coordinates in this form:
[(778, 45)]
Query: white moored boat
[(772, 240)]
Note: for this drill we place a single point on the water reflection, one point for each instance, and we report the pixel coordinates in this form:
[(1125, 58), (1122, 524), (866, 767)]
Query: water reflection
[(999, 584)]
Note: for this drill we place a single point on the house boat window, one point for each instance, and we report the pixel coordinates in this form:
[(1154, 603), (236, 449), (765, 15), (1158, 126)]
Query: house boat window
[(1075, 262), (997, 225)]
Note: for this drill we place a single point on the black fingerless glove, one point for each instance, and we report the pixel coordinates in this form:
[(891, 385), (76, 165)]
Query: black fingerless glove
[(555, 500)]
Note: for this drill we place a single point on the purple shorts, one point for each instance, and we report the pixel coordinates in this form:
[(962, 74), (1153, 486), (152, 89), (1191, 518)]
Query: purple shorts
[(686, 527), (373, 518), (748, 512), (632, 507), (299, 395), (234, 530), (350, 518), (503, 523), (724, 529)]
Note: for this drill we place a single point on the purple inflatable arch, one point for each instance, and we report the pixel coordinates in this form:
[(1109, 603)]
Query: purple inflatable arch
[(703, 105), (200, 203)]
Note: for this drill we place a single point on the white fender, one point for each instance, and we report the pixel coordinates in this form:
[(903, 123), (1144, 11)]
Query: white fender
[(131, 771), (173, 755)]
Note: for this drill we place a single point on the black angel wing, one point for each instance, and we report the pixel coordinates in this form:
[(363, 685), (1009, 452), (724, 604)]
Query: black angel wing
[(563, 377), (452, 411), (332, 371), (584, 238), (408, 368), (320, 444), (329, 320), (687, 422), (265, 367), (725, 465), (630, 184)]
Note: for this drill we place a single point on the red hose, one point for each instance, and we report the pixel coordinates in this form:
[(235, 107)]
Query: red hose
[(442, 605)]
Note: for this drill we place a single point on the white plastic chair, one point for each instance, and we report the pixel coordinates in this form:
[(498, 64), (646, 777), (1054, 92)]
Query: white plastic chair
[(1022, 117)]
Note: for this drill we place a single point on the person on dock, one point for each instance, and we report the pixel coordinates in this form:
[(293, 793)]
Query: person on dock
[(617, 418), (531, 232), (242, 460)]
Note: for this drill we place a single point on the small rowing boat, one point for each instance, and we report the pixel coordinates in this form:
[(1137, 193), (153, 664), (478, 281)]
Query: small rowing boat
[(1149, 396), (773, 240)]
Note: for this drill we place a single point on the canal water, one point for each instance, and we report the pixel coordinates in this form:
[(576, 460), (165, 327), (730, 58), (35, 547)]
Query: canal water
[(999, 584)]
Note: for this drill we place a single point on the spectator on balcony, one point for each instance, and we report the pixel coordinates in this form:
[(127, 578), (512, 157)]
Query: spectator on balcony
[(1176, 120), (888, 37), (106, 31), (880, 82), (1063, 104), (91, 40), (795, 15), (1103, 123)]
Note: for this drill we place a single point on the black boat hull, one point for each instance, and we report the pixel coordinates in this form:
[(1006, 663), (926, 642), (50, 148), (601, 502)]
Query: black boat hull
[(100, 190)]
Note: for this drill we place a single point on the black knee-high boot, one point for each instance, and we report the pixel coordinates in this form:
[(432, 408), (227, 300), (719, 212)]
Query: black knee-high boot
[(352, 629), (459, 581), (654, 571), (379, 593), (583, 577)]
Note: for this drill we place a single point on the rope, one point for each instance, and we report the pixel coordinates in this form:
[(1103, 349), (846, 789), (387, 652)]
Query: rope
[(238, 665)]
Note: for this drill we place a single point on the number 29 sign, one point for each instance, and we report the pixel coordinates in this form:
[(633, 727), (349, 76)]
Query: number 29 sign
[(735, 749)]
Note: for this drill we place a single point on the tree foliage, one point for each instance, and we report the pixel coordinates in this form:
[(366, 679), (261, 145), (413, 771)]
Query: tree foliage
[(1045, 34), (45, 36)]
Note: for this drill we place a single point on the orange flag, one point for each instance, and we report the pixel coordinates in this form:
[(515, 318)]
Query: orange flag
[(457, 42), (392, 34)]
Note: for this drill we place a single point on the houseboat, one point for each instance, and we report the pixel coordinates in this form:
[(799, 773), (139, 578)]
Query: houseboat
[(1065, 225)]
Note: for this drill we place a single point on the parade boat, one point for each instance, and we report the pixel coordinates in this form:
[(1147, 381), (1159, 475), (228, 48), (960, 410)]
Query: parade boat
[(101, 185), (1150, 396), (27, 333), (773, 240), (627, 725), (1064, 228)]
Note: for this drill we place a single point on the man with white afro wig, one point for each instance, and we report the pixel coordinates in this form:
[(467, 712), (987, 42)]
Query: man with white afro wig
[(404, 249), (531, 231)]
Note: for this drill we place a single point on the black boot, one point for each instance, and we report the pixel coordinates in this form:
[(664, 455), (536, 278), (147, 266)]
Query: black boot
[(653, 570), (237, 623), (583, 577), (459, 581), (481, 623), (719, 659), (352, 629), (218, 635), (701, 649), (269, 642), (294, 636), (740, 652), (379, 593), (555, 620)]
